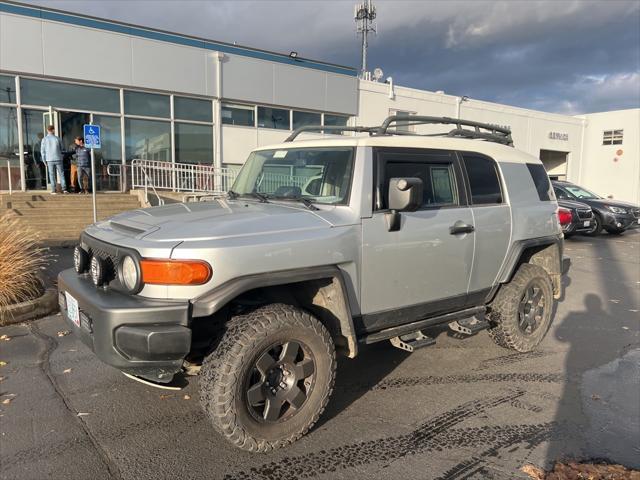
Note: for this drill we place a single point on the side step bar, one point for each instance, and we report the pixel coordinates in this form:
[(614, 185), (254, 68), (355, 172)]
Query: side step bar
[(412, 341), (468, 326), (389, 333)]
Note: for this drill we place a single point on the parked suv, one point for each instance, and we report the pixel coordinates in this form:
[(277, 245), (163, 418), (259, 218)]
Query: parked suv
[(613, 216), (322, 246), (579, 217)]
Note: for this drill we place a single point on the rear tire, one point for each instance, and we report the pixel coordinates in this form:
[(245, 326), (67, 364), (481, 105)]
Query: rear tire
[(270, 377), (520, 314)]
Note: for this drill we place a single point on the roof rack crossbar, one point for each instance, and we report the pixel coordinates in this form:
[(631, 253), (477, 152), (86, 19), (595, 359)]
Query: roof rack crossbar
[(497, 133), (328, 128), (492, 133)]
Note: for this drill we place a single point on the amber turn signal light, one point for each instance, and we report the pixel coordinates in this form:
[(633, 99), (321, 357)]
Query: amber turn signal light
[(175, 272)]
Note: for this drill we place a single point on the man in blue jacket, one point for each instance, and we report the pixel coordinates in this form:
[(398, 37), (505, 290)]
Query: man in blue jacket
[(51, 151), (83, 162)]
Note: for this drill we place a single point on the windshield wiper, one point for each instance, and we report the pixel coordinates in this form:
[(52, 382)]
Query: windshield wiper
[(260, 196), (307, 203)]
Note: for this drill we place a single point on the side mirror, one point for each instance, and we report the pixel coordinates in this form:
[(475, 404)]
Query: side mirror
[(405, 195)]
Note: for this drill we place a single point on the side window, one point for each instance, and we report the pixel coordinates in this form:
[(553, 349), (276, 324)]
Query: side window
[(541, 181), (438, 180), (483, 180)]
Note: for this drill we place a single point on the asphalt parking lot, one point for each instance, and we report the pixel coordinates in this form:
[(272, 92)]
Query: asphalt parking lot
[(462, 409)]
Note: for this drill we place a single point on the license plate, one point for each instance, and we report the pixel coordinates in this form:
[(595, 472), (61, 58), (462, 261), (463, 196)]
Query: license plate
[(73, 312), (587, 223)]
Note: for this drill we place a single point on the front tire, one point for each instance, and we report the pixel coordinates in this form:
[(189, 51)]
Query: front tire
[(615, 231), (270, 377), (597, 226), (520, 314)]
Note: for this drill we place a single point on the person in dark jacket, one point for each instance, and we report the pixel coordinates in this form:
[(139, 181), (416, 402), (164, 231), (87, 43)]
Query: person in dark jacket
[(83, 162)]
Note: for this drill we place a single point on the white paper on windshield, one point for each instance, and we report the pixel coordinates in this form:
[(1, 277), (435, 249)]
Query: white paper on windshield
[(280, 154)]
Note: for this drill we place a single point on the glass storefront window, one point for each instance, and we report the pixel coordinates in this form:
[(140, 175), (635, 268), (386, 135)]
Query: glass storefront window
[(69, 95), (234, 114), (110, 153), (337, 120), (300, 119), (9, 149), (194, 143), (7, 89), (146, 104), (33, 133), (273, 118), (148, 139), (192, 109)]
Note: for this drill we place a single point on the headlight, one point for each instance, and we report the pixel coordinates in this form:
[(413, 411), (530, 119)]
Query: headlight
[(617, 209), (130, 274), (96, 270), (80, 259)]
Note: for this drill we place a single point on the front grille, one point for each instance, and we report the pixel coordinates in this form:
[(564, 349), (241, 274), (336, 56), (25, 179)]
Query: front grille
[(584, 213)]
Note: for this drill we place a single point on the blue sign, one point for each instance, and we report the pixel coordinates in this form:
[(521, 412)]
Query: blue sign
[(92, 136)]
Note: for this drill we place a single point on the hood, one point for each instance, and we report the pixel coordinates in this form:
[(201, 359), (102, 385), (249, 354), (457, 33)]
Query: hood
[(572, 204), (615, 203), (214, 220)]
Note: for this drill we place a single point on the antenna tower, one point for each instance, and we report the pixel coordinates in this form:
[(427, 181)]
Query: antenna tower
[(364, 14)]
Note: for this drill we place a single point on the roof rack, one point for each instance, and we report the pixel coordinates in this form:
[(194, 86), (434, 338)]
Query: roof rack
[(491, 133), (328, 128)]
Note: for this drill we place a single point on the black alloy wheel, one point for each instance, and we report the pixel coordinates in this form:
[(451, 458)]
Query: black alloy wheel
[(280, 381), (531, 309)]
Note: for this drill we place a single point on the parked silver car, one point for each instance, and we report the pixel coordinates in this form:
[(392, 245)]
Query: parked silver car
[(321, 246)]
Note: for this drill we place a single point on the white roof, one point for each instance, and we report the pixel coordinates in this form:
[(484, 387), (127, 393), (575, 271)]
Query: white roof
[(499, 152)]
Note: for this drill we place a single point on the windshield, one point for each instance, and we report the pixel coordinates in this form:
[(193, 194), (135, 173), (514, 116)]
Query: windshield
[(321, 175), (580, 192)]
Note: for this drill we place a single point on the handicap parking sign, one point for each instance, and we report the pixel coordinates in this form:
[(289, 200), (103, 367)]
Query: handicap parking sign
[(92, 136)]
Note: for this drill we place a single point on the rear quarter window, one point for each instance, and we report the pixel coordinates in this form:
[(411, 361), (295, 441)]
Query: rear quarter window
[(541, 181), (483, 179)]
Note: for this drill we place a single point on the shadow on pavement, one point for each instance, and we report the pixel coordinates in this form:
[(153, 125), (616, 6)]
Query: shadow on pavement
[(599, 411)]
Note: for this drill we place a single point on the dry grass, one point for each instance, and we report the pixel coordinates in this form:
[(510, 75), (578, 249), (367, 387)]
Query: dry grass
[(20, 262)]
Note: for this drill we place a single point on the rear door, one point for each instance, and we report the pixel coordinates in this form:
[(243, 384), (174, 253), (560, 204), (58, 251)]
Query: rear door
[(422, 268), (492, 221)]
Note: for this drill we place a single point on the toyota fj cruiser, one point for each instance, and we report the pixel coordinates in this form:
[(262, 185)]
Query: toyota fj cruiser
[(321, 246)]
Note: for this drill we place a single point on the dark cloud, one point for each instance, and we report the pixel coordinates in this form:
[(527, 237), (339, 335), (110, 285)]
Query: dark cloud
[(561, 56)]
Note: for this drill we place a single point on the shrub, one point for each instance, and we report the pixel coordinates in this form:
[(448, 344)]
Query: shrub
[(20, 261)]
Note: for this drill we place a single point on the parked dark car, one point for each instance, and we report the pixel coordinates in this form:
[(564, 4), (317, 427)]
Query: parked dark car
[(614, 216), (579, 217)]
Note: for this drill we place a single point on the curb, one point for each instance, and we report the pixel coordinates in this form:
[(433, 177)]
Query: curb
[(31, 309)]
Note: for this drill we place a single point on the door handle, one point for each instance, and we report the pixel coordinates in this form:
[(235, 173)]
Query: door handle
[(461, 227)]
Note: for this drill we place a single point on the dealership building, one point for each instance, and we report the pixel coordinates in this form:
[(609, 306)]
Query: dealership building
[(177, 98)]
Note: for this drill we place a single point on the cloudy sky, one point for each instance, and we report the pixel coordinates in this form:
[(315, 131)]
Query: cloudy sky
[(559, 56)]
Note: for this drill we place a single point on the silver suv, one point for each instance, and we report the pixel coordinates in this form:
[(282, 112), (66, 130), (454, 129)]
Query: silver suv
[(322, 246)]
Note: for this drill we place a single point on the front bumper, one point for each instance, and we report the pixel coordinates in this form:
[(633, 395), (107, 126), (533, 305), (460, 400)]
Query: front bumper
[(619, 221), (143, 337)]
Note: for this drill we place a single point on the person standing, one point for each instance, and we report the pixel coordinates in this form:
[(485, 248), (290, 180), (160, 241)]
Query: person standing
[(51, 151), (83, 164)]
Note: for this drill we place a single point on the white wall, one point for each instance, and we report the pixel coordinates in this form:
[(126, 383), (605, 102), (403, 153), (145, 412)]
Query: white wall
[(44, 47), (612, 170)]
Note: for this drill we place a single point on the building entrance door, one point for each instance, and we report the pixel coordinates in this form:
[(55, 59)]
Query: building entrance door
[(68, 126)]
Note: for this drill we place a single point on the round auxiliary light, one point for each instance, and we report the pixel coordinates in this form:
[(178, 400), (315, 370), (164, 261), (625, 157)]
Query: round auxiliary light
[(80, 259), (96, 269), (130, 274)]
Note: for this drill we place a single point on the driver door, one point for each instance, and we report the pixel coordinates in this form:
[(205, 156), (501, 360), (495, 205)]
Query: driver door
[(423, 268)]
